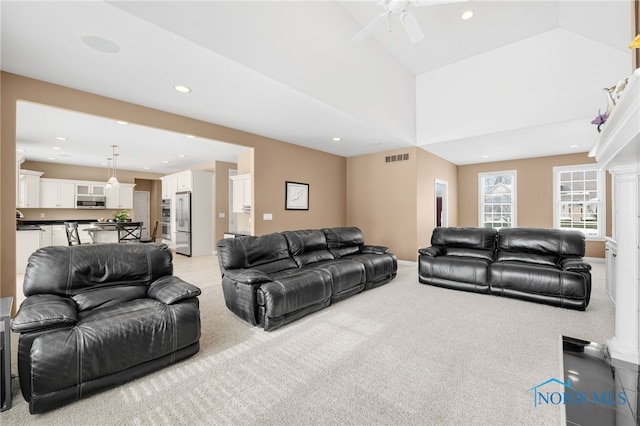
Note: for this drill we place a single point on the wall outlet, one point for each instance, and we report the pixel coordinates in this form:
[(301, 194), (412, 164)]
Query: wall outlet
[(221, 215), (41, 215), (267, 216)]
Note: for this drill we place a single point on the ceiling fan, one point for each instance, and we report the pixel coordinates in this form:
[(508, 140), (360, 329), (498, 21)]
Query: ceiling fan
[(401, 9)]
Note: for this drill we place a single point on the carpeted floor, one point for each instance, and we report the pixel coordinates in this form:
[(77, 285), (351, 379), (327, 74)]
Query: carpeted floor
[(404, 353)]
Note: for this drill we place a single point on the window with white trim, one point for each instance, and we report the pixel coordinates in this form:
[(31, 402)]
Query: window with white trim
[(579, 194), (497, 199)]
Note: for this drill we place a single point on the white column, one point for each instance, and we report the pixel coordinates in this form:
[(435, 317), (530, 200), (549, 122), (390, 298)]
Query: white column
[(626, 343)]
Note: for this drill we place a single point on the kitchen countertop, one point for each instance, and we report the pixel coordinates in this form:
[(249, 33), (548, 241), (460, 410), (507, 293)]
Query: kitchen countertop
[(28, 227), (55, 222)]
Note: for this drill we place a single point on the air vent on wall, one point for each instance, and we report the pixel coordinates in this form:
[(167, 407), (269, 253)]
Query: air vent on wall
[(396, 158)]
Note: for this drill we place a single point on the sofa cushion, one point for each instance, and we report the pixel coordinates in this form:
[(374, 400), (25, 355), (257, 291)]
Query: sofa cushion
[(346, 275), (268, 253), (558, 242), (343, 241), (469, 252), (308, 246), (97, 274), (461, 273), (110, 340), (291, 292), (539, 283), (471, 238), (540, 259)]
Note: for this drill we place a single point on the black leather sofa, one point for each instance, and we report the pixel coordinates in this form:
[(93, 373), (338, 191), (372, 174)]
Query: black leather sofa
[(97, 316), (277, 278), (534, 264)]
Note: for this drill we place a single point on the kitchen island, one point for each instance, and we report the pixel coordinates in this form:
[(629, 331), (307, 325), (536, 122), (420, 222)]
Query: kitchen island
[(103, 232)]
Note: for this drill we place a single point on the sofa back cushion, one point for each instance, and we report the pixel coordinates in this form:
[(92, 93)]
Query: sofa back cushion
[(97, 275), (465, 238), (554, 242), (268, 253), (343, 241), (308, 246)]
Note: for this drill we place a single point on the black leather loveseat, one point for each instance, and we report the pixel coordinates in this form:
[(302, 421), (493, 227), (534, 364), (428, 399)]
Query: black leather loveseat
[(277, 278), (535, 264), (96, 316)]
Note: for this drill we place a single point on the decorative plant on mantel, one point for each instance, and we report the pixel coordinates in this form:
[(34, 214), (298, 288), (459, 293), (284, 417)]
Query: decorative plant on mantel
[(121, 216)]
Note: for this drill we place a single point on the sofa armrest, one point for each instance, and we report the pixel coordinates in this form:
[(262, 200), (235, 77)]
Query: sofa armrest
[(45, 311), (247, 276), (171, 289), (574, 264), (374, 249), (432, 251)]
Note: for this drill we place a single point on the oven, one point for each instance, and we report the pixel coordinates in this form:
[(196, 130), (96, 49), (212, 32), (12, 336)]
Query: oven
[(166, 219)]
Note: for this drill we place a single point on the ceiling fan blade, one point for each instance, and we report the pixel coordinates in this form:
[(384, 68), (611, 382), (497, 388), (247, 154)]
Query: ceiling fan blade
[(370, 27), (411, 27)]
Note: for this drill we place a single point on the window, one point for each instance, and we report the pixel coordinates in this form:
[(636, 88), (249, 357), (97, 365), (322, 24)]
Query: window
[(497, 199), (579, 195)]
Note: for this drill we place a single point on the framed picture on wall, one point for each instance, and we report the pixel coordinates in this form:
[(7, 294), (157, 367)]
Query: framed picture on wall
[(296, 196)]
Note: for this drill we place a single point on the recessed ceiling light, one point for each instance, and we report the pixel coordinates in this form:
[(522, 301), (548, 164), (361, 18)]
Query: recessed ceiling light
[(19, 150), (57, 148), (101, 44), (146, 168), (467, 14), (190, 136), (60, 138), (485, 156), (103, 164), (181, 89), (337, 139), (181, 155), (122, 122), (574, 145), (165, 162), (51, 158)]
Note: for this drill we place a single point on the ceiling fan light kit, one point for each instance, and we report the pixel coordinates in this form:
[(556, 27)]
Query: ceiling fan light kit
[(402, 9)]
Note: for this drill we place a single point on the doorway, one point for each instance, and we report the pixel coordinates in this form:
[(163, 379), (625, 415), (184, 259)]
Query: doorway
[(442, 203), (141, 211)]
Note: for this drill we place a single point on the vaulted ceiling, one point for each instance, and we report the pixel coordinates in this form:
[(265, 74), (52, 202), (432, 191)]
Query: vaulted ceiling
[(519, 79)]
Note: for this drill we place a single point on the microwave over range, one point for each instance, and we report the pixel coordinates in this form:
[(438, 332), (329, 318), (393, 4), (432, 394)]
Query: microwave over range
[(90, 202)]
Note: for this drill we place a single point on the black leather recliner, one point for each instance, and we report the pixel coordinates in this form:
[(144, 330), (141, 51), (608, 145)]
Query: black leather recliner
[(97, 316), (534, 264), (277, 278)]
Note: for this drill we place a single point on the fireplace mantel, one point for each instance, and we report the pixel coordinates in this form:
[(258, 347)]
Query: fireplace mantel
[(617, 150)]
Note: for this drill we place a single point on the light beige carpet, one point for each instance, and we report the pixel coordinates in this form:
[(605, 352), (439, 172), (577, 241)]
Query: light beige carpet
[(403, 353)]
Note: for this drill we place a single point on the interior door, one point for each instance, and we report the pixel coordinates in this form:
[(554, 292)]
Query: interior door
[(141, 211)]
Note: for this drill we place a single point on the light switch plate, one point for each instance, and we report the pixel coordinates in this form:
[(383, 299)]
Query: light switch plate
[(221, 215), (267, 216)]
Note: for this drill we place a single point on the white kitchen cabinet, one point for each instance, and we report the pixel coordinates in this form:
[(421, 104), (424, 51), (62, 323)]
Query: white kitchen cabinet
[(184, 181), (241, 193), (85, 238), (45, 235), (57, 193), (120, 197), (26, 243), (59, 236), (88, 188), (169, 187), (29, 189)]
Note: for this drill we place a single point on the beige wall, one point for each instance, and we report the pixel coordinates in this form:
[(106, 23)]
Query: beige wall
[(222, 197), (394, 203), (431, 167), (275, 162), (325, 174), (535, 192)]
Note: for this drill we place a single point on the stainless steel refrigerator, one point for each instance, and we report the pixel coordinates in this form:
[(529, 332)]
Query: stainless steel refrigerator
[(183, 223)]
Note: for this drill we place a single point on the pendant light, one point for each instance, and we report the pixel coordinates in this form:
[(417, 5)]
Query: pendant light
[(113, 180), (108, 185)]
